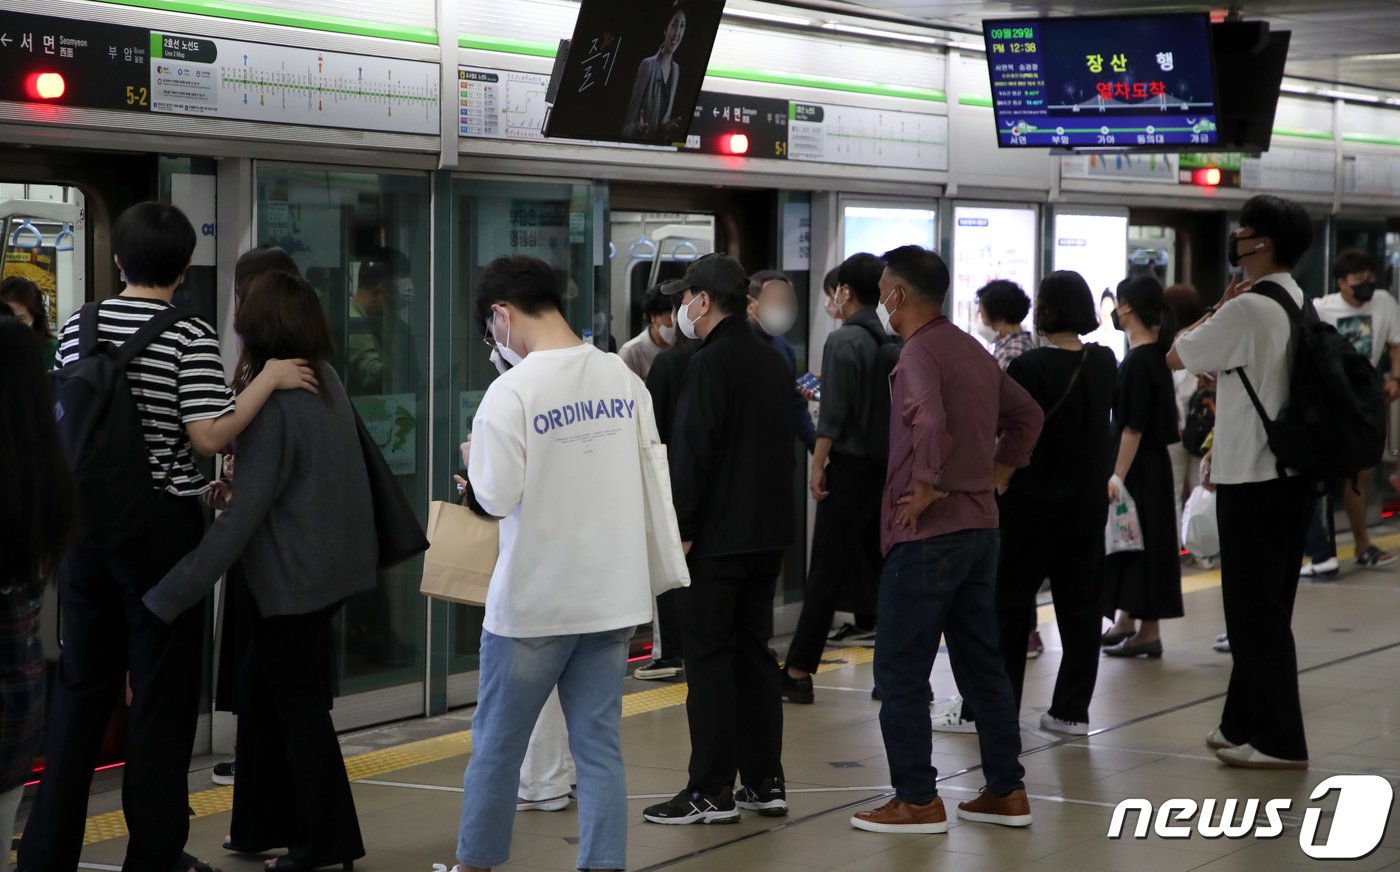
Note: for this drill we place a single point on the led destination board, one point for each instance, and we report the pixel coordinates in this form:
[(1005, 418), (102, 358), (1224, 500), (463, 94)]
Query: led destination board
[(1113, 82)]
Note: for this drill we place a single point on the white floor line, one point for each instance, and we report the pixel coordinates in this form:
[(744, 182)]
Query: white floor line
[(102, 866), (438, 787)]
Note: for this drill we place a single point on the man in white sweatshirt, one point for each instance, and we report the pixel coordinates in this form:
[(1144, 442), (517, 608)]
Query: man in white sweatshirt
[(558, 428)]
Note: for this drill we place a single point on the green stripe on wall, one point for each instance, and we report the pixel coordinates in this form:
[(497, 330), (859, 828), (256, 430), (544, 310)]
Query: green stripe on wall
[(984, 102), (302, 20), (1325, 135), (1371, 139), (542, 50)]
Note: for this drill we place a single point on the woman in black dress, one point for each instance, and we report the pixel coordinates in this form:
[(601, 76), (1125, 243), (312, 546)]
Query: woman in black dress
[(1144, 587), (1053, 512)]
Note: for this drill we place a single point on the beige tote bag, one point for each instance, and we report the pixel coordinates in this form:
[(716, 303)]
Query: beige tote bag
[(461, 556)]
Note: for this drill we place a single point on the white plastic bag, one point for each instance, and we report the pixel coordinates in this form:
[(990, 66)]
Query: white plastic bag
[(1200, 533), (1124, 530)]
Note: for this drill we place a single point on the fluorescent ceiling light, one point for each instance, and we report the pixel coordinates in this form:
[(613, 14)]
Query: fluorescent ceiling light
[(1391, 56), (857, 30), (769, 17), (1347, 95), (1297, 89), (969, 46)]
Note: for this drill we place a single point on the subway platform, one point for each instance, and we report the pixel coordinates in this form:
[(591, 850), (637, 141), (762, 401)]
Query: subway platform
[(1149, 721)]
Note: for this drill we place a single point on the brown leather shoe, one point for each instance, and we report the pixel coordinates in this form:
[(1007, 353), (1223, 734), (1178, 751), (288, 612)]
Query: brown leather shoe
[(1012, 810), (896, 816)]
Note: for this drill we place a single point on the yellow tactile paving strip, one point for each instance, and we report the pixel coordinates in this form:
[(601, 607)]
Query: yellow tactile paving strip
[(112, 825)]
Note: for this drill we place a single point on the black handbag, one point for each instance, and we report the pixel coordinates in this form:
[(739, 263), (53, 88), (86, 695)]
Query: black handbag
[(396, 527)]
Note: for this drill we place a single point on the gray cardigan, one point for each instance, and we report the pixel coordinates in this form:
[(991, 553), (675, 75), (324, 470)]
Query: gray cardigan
[(301, 518)]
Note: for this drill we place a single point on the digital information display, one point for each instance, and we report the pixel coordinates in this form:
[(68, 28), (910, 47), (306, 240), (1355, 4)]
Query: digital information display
[(62, 62), (1119, 82)]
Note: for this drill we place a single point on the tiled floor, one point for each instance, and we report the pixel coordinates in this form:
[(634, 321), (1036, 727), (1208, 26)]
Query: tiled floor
[(1150, 716)]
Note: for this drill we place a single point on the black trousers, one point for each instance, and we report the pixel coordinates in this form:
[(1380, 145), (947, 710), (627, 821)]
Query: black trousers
[(846, 558), (1262, 527), (106, 632), (735, 702), (668, 626), (1033, 548), (292, 790)]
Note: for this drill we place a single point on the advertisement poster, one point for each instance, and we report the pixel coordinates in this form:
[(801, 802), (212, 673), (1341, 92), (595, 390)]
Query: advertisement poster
[(634, 70), (1096, 247), (467, 404), (990, 243), (393, 425)]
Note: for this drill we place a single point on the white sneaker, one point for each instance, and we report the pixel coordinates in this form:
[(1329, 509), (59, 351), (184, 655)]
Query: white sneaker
[(1051, 724), (1216, 741), (1330, 566), (951, 721), (559, 803), (1246, 756)]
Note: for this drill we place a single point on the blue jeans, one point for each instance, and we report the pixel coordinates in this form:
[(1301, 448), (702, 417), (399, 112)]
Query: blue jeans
[(517, 676), (1321, 539), (943, 586)]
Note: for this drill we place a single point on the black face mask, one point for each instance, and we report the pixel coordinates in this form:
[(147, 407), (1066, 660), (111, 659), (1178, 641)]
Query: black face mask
[(1232, 251), (1364, 291), (1113, 316)]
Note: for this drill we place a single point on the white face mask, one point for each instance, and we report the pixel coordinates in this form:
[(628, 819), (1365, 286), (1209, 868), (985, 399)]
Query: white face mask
[(777, 321), (503, 349), (884, 313), (687, 324), (667, 332), (497, 361), (403, 293), (988, 334)]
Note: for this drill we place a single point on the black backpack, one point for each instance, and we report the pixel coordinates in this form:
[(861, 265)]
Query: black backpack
[(1334, 424), (100, 432), (887, 351), (1200, 421)]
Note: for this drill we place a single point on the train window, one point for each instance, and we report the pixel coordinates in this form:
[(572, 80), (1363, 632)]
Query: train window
[(363, 240)]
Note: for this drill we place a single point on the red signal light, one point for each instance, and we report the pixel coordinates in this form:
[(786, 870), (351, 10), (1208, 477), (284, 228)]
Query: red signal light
[(46, 86), (736, 143), (1206, 177)]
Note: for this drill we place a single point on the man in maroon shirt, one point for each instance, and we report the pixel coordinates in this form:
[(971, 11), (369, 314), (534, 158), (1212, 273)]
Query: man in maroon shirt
[(958, 429)]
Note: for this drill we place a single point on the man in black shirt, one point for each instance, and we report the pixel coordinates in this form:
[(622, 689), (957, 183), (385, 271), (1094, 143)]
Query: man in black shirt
[(848, 476), (731, 468)]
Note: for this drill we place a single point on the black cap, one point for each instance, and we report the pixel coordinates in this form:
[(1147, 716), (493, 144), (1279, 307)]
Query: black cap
[(716, 273)]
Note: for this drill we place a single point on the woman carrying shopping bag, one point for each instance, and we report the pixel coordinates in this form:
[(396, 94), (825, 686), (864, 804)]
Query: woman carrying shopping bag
[(1143, 587)]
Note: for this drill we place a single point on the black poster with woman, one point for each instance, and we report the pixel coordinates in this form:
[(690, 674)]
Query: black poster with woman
[(634, 71)]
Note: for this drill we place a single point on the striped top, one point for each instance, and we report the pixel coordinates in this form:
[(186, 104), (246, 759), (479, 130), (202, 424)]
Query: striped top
[(177, 379)]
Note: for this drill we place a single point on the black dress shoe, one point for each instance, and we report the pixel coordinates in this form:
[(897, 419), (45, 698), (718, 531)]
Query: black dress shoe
[(1109, 639), (1152, 650), (797, 690)]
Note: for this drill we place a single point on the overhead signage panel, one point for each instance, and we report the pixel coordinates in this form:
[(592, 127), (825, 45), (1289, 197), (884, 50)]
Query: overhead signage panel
[(62, 62)]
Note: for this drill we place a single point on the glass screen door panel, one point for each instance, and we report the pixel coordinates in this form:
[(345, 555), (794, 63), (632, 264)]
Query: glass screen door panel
[(550, 221), (362, 239)]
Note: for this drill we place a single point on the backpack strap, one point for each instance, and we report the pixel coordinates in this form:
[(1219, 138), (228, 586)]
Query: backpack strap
[(158, 324), (88, 329)]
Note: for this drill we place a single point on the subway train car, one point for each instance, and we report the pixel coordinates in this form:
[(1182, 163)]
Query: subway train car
[(359, 135)]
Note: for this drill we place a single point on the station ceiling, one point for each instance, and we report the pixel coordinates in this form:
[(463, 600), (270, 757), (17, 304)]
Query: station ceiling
[(1354, 42)]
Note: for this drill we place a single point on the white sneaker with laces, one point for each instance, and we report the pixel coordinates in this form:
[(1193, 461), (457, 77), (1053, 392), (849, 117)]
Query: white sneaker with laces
[(951, 721), (1246, 756), (558, 803), (1051, 724), (1330, 566)]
